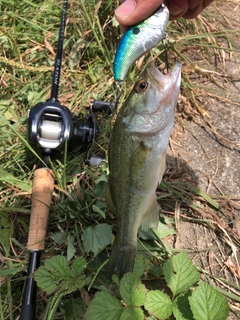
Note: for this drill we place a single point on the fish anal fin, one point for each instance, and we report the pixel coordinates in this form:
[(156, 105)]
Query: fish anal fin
[(151, 217)]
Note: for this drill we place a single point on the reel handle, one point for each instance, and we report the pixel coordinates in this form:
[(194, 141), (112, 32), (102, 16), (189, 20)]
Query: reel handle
[(43, 185)]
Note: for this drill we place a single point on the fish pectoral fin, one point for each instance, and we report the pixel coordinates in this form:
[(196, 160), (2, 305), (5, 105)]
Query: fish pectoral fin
[(151, 217), (162, 167)]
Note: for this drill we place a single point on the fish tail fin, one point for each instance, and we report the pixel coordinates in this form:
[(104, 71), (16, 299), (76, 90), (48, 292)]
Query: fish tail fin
[(121, 260)]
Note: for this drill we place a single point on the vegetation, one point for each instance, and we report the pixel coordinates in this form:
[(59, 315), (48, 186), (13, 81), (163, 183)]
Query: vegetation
[(72, 282)]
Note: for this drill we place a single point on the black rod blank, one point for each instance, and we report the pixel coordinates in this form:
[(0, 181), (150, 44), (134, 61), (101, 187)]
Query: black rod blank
[(58, 60)]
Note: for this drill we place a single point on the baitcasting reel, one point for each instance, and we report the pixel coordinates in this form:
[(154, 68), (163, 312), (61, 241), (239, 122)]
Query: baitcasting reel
[(51, 126)]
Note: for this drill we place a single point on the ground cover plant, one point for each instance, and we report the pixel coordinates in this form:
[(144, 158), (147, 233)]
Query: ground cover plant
[(72, 282)]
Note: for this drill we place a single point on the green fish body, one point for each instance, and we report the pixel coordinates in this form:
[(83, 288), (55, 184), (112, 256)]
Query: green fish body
[(137, 151)]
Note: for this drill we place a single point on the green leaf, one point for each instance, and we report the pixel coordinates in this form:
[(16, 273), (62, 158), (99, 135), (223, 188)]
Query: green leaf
[(205, 196), (59, 237), (132, 290), (132, 314), (156, 271), (100, 189), (58, 266), (104, 306), (77, 267), (208, 304), (180, 273), (8, 108), (57, 274), (9, 178), (70, 248), (96, 238), (158, 304), (96, 209), (11, 271), (72, 309), (181, 307), (163, 231), (45, 280), (139, 266)]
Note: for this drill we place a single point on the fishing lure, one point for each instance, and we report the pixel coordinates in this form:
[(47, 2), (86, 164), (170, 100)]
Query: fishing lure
[(139, 39)]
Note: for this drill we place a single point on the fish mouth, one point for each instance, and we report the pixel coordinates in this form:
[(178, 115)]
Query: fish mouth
[(174, 74)]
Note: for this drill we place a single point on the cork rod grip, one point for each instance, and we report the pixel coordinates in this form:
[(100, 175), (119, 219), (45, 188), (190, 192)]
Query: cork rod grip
[(43, 185)]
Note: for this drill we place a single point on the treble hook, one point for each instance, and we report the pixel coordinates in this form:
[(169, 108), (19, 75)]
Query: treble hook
[(165, 44), (119, 90)]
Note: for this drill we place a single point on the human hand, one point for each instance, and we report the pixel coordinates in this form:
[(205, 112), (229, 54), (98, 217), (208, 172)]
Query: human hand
[(134, 11)]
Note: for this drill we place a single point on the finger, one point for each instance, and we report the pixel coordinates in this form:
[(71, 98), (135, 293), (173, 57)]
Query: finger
[(193, 11), (177, 8), (131, 12)]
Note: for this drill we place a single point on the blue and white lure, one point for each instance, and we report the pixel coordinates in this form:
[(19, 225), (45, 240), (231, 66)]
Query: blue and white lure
[(139, 39)]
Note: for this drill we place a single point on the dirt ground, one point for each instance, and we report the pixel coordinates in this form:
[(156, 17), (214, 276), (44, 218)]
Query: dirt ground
[(206, 151)]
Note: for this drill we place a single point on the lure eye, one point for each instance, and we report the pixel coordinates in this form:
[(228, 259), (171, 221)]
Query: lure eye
[(136, 30), (141, 86)]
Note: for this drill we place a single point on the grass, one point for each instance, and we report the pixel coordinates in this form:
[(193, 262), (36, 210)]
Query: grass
[(28, 38)]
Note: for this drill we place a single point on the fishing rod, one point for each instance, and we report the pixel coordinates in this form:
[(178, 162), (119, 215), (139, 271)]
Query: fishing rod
[(50, 126)]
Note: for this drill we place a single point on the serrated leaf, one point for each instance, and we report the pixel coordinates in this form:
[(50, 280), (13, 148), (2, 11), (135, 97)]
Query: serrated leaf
[(132, 290), (77, 267), (139, 267), (180, 273), (208, 304), (158, 304), (58, 265), (181, 307), (45, 280), (104, 306), (96, 238), (132, 313)]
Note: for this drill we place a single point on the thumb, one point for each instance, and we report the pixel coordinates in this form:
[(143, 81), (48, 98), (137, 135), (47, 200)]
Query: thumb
[(132, 11)]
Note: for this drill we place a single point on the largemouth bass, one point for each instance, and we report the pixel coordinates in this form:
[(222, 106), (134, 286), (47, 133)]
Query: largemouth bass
[(139, 39), (137, 150)]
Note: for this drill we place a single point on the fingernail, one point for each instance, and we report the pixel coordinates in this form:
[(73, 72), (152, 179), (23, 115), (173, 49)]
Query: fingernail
[(174, 10), (193, 4), (126, 9)]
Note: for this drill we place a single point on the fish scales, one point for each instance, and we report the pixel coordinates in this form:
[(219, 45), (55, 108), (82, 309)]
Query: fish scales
[(139, 39), (136, 154)]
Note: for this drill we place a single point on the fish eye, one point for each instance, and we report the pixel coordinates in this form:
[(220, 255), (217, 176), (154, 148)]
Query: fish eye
[(141, 86)]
